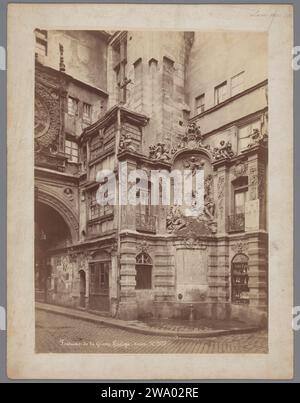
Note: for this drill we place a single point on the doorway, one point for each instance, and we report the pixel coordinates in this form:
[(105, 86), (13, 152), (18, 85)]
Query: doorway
[(82, 288), (99, 286)]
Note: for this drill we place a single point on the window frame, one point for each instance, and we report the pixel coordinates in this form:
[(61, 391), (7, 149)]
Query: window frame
[(74, 101), (224, 85), (74, 158), (198, 105), (87, 117), (240, 189), (143, 263), (240, 74)]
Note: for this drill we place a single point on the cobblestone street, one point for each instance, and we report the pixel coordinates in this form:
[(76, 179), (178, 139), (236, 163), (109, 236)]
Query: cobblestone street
[(59, 334)]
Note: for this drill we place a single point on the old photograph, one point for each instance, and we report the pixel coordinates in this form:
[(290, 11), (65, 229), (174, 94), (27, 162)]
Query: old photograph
[(127, 259), (150, 192)]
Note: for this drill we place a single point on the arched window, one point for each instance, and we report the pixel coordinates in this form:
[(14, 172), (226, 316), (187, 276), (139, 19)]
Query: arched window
[(143, 272), (239, 279)]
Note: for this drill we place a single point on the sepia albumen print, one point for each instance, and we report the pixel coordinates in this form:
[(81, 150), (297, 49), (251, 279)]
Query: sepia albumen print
[(135, 110), (150, 190)]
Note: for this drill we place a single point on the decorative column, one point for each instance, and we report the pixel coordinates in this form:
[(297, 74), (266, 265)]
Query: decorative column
[(220, 283), (255, 226)]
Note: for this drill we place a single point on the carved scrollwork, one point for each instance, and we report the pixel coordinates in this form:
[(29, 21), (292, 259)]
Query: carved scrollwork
[(240, 247), (143, 247)]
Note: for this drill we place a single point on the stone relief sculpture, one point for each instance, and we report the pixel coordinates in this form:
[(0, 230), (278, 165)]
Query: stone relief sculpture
[(224, 151), (257, 138), (159, 152), (193, 163), (240, 169), (126, 143), (192, 139), (203, 222), (175, 219)]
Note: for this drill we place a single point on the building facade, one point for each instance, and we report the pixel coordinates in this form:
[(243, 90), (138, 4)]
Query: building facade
[(128, 101)]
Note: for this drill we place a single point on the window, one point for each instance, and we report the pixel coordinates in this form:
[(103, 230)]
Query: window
[(71, 150), (87, 112), (97, 210), (72, 106), (138, 82), (245, 132), (200, 104), (237, 83), (168, 76), (145, 220), (220, 93), (239, 201), (83, 157), (120, 61), (239, 279), (41, 42), (143, 272)]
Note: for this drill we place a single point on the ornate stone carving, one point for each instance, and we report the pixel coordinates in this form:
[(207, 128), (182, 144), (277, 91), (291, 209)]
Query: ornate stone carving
[(257, 138), (193, 163), (192, 133), (68, 192), (188, 226), (126, 143), (223, 152), (240, 169), (253, 181), (48, 113), (159, 152), (221, 190), (261, 182), (143, 247), (209, 204), (191, 243), (51, 160), (175, 219), (41, 117), (256, 183), (240, 247), (191, 139)]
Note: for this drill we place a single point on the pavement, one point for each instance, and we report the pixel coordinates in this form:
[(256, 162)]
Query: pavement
[(162, 328), (58, 333)]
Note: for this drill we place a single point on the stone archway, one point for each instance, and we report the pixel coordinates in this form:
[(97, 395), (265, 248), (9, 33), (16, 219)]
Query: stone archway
[(53, 200)]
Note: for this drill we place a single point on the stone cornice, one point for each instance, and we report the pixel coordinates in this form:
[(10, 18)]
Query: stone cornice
[(229, 100)]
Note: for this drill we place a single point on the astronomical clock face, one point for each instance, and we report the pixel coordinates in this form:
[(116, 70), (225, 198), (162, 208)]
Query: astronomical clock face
[(41, 118)]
